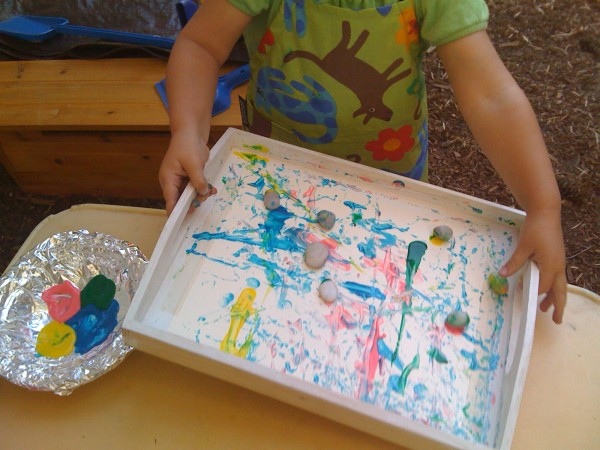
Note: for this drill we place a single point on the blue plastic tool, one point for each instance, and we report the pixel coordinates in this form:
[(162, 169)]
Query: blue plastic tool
[(225, 85), (185, 10), (41, 28)]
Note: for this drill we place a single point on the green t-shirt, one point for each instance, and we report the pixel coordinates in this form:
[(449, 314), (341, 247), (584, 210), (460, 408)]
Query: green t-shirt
[(440, 21), (345, 77)]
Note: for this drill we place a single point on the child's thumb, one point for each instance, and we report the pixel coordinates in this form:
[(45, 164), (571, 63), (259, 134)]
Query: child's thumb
[(516, 261), (199, 182)]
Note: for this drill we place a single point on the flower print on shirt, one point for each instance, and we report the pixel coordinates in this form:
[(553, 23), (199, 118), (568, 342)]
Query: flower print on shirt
[(267, 40), (392, 144), (409, 27)]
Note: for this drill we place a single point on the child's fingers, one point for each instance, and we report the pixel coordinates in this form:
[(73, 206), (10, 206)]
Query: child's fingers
[(170, 194), (557, 296), (171, 188), (516, 261), (200, 184), (201, 197)]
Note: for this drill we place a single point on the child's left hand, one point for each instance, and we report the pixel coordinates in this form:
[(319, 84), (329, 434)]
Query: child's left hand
[(541, 240)]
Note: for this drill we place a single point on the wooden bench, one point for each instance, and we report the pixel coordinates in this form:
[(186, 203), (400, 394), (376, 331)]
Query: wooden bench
[(89, 127)]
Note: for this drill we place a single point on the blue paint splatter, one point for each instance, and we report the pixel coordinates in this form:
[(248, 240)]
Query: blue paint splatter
[(368, 248), (353, 205), (227, 299), (253, 282), (267, 236), (363, 291)]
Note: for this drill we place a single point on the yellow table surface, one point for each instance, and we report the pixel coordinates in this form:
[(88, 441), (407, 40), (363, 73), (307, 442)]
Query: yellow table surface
[(148, 403)]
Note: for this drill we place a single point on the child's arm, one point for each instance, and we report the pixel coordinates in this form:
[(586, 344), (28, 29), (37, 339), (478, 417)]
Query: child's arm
[(200, 50), (504, 125)]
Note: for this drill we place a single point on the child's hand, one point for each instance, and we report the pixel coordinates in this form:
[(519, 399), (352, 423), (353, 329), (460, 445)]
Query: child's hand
[(184, 160), (541, 240)]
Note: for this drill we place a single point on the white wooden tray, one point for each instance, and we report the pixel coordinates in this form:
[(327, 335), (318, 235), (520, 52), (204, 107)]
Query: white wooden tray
[(227, 293)]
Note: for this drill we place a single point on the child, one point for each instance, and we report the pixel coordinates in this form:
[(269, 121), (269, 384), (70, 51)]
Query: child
[(345, 78)]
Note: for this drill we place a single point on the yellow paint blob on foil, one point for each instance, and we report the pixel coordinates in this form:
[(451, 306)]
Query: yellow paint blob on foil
[(240, 312), (56, 339)]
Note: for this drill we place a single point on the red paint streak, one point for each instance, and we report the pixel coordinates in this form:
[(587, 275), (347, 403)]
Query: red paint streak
[(390, 270), (310, 193), (371, 359)]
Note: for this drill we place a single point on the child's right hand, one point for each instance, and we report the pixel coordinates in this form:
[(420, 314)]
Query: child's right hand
[(183, 162), (541, 240), (200, 50)]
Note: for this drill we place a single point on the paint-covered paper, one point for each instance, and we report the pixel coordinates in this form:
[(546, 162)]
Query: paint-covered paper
[(239, 283)]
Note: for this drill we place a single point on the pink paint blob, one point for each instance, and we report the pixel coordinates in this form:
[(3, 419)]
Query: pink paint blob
[(63, 300)]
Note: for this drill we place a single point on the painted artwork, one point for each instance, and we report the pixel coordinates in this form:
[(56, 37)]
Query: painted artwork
[(407, 321)]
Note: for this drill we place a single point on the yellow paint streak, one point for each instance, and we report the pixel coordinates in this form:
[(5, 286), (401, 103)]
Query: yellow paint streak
[(240, 312), (251, 157)]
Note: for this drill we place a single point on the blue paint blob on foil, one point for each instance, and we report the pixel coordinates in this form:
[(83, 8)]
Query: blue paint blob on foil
[(93, 325)]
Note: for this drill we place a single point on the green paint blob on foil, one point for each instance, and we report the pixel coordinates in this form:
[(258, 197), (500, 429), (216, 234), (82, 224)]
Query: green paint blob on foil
[(99, 291)]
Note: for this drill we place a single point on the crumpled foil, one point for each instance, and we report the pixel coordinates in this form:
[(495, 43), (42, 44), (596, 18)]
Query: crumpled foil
[(76, 256)]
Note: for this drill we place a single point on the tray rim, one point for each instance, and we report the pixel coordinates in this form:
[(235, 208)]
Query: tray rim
[(351, 412)]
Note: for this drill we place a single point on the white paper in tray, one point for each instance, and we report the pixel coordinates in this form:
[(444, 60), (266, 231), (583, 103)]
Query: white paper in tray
[(231, 276)]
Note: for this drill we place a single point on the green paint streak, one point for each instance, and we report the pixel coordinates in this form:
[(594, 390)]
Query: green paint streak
[(414, 364), (477, 210), (252, 158), (356, 217), (437, 418), (465, 410), (508, 221), (419, 309), (437, 355), (416, 250), (258, 147)]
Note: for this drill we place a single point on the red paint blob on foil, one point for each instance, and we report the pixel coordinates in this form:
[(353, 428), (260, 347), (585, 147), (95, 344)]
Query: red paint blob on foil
[(63, 300)]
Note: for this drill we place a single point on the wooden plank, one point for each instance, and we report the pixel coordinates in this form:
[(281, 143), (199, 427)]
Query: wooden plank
[(135, 69), (121, 164), (114, 163), (98, 94), (90, 116), (83, 92), (100, 116), (89, 127)]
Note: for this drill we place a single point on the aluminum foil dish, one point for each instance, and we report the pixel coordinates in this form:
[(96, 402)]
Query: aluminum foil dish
[(62, 306)]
